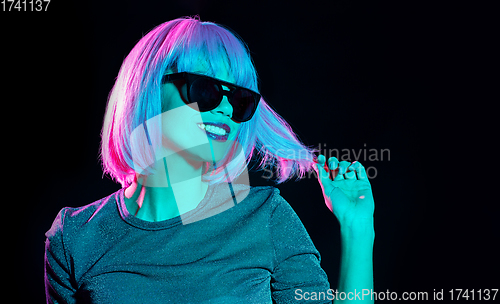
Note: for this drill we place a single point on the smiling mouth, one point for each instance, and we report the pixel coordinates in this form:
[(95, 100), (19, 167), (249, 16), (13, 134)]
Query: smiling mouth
[(217, 131)]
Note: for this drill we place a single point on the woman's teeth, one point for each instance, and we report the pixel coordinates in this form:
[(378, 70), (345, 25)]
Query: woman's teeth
[(212, 129)]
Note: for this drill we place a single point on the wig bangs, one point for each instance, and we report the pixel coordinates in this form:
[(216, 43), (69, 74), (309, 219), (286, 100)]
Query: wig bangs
[(217, 50)]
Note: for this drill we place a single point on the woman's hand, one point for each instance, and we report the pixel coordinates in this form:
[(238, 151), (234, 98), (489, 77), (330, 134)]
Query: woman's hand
[(346, 190), (348, 194)]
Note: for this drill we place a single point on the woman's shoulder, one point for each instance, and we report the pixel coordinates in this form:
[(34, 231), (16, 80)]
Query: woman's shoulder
[(71, 218), (268, 194), (258, 197), (244, 192)]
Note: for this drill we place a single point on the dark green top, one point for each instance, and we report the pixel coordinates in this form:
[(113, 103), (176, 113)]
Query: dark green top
[(256, 251)]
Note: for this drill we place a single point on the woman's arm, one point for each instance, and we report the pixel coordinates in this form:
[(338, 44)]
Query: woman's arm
[(348, 195), (356, 261), (59, 286)]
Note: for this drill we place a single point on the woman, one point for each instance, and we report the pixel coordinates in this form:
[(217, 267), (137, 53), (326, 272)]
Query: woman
[(182, 121)]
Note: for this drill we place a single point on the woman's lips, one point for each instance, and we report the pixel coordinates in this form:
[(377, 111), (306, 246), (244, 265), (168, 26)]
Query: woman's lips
[(215, 130)]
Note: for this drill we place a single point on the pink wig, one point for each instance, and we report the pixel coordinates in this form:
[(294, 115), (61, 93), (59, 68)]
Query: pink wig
[(136, 97)]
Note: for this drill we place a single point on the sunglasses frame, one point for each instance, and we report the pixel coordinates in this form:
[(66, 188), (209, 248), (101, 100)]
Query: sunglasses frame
[(190, 78)]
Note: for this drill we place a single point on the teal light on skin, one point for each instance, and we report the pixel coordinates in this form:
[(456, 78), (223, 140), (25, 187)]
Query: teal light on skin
[(177, 186), (348, 194)]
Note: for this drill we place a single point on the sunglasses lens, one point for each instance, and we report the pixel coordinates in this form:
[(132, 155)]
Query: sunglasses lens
[(243, 104), (205, 93)]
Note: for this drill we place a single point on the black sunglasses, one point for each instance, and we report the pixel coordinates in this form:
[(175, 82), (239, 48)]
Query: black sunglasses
[(207, 93)]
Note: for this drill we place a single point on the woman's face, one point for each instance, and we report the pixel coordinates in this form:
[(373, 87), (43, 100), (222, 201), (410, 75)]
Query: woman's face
[(194, 134)]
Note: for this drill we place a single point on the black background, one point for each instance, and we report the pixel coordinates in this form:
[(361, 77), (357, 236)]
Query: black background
[(351, 74)]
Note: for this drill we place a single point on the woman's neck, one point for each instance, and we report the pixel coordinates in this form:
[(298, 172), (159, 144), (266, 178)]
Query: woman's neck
[(174, 189)]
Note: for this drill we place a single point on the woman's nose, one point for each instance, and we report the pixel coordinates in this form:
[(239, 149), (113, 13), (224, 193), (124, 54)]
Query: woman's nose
[(224, 108)]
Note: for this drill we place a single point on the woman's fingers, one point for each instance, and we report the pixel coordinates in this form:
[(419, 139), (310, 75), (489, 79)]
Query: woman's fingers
[(351, 170), (333, 163), (322, 172), (343, 165), (361, 173), (346, 170)]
